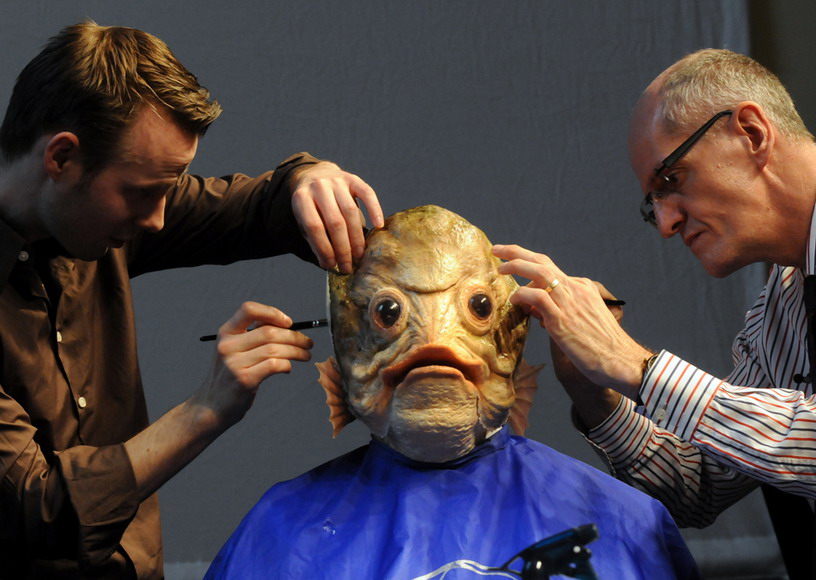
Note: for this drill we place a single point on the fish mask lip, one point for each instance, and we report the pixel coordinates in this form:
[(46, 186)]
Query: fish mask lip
[(428, 355)]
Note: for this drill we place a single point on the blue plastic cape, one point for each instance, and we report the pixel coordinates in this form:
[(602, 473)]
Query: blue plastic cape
[(376, 514)]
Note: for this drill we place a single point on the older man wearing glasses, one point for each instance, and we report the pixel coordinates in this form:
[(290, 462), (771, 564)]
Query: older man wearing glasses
[(724, 161)]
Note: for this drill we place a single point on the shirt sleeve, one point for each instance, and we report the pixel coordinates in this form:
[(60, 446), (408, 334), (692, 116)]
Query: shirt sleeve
[(700, 443), (220, 220), (50, 505), (768, 434), (693, 487)]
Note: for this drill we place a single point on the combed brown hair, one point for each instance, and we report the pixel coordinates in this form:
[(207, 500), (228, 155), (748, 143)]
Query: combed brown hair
[(711, 80), (92, 80)]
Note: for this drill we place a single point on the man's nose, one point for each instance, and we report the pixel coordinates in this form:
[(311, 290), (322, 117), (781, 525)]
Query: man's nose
[(668, 216), (153, 218)]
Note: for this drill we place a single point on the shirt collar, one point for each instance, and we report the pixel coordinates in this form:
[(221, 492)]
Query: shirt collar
[(810, 259)]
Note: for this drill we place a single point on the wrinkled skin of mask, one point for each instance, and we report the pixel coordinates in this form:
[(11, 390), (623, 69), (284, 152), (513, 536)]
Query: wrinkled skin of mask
[(425, 338)]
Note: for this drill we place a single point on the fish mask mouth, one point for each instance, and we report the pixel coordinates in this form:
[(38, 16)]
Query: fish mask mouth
[(432, 358), (432, 373)]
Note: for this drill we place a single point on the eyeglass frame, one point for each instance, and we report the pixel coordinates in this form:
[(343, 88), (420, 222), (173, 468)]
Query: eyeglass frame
[(647, 205)]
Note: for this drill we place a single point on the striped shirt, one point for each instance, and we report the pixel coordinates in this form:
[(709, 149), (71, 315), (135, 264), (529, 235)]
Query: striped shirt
[(700, 443)]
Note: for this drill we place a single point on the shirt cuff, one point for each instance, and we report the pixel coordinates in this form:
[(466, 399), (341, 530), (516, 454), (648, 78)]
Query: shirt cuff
[(102, 490), (623, 435), (677, 394)]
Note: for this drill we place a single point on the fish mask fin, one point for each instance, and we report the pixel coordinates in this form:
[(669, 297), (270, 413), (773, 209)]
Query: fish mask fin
[(330, 380), (525, 380)]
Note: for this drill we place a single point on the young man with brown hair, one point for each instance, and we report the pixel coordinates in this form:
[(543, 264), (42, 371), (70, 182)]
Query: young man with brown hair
[(94, 189)]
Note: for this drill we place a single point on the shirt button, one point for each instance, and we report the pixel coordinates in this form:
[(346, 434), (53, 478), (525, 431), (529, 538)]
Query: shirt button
[(82, 402), (660, 415), (59, 336), (23, 256)]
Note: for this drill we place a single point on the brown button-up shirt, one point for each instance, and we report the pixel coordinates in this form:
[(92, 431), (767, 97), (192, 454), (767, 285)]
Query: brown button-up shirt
[(70, 387)]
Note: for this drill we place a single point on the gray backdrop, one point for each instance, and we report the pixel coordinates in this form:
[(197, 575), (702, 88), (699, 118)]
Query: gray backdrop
[(513, 114)]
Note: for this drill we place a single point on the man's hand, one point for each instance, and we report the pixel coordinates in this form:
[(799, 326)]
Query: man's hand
[(577, 320), (324, 203), (592, 402), (252, 345)]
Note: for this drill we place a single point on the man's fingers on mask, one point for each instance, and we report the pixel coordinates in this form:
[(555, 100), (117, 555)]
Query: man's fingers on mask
[(364, 192), (313, 229)]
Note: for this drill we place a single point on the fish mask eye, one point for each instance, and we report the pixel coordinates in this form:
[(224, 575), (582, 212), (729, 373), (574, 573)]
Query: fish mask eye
[(477, 307), (481, 305), (388, 312)]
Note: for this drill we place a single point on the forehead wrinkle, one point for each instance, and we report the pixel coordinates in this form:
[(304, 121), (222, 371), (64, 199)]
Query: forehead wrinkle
[(403, 279), (442, 273)]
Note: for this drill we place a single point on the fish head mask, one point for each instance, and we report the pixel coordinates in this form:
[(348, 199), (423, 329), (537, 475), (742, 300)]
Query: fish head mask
[(427, 343)]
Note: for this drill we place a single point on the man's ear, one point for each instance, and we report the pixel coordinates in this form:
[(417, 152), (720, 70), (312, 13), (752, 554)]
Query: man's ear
[(61, 156), (751, 122)]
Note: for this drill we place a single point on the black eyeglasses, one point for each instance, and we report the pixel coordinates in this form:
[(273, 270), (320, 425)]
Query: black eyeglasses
[(670, 183)]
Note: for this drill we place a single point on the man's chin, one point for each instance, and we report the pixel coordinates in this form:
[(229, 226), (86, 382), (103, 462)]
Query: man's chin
[(89, 255), (719, 269)]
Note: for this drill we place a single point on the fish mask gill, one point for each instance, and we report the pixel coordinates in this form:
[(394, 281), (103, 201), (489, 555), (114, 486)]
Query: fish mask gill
[(427, 345)]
